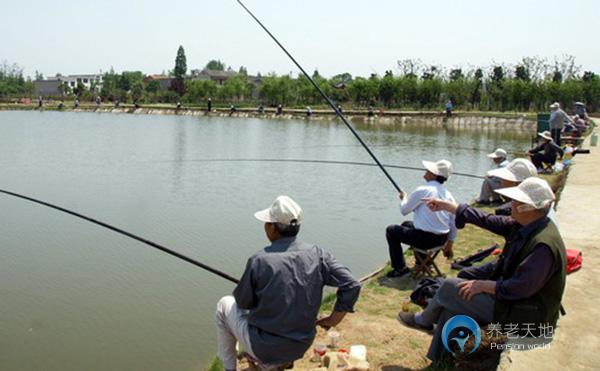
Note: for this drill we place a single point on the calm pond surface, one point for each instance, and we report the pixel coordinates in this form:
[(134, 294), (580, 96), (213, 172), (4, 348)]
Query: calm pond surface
[(75, 296)]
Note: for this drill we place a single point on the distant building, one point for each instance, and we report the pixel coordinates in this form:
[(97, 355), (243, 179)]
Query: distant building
[(218, 77), (52, 85), (164, 81), (88, 81)]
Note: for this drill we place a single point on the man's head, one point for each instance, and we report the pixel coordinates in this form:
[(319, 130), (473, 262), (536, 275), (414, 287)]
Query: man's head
[(545, 136), (439, 170), (514, 173), (531, 200), (498, 156), (554, 106), (282, 219)]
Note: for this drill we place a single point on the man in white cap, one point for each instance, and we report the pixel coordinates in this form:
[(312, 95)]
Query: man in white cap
[(512, 175), (428, 229), (523, 287), (557, 121), (273, 310), (491, 183), (545, 152)]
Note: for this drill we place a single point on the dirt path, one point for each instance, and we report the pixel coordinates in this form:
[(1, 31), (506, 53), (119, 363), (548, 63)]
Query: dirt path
[(577, 342)]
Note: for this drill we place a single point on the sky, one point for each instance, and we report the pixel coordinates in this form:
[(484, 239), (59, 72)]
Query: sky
[(333, 36)]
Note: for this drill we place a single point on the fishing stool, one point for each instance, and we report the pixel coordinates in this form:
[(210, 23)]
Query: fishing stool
[(425, 260), (256, 364)]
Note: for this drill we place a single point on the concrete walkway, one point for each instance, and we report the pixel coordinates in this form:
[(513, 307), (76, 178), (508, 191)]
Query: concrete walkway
[(577, 339)]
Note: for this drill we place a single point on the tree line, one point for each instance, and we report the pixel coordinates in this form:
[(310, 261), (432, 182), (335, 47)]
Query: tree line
[(530, 85)]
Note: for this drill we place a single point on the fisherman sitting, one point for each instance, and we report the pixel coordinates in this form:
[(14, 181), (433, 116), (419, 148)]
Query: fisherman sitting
[(273, 310), (545, 153), (429, 229), (491, 183), (512, 175), (523, 288)]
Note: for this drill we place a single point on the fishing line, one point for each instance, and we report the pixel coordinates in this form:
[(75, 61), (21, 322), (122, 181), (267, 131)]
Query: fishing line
[(327, 99), (332, 162), (128, 234)]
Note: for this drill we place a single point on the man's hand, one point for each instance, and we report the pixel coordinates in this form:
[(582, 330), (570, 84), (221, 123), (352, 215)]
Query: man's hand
[(468, 289), (331, 320), (436, 204), (447, 251), (402, 195)]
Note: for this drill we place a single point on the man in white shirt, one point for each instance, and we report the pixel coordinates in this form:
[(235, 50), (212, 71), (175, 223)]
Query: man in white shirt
[(491, 183), (428, 229)]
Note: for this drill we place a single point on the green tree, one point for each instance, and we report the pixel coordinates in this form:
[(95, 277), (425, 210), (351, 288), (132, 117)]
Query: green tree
[(178, 85), (180, 64), (215, 65), (199, 90)]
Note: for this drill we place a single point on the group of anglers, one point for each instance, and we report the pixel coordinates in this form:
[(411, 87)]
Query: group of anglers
[(273, 312)]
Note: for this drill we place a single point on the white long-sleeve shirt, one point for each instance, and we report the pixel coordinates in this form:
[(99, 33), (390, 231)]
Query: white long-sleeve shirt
[(439, 222)]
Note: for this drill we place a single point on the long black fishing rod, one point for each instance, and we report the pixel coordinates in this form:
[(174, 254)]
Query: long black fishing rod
[(329, 101), (321, 162), (128, 234)]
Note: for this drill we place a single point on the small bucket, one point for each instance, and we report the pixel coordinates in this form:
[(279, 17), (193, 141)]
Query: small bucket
[(594, 140)]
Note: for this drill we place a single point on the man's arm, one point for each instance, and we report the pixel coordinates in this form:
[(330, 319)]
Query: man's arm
[(244, 291), (558, 149), (536, 149), (531, 275), (337, 275), (498, 224), (410, 203)]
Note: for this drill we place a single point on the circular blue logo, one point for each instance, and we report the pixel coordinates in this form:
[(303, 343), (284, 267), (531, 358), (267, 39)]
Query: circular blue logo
[(460, 329)]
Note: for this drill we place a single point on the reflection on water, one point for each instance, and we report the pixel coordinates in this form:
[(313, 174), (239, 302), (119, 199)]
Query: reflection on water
[(78, 297)]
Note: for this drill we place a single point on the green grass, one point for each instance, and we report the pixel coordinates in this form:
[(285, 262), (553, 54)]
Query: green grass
[(216, 365)]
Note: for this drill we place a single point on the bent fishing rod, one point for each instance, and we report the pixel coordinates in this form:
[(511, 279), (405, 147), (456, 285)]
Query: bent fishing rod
[(325, 96), (125, 233), (332, 162)]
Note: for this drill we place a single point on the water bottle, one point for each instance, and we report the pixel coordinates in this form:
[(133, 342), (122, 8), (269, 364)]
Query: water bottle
[(594, 141)]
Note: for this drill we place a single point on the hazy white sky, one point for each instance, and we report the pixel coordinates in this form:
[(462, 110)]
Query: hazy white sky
[(335, 36)]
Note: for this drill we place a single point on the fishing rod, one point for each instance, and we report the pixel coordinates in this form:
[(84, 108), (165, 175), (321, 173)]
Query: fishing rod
[(128, 234), (327, 99), (333, 162)]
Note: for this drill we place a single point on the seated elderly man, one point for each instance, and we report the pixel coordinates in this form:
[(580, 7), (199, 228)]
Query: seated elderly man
[(524, 286), (491, 183), (273, 311), (429, 229), (545, 152)]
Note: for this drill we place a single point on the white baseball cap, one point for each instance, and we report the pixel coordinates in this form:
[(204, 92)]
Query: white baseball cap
[(284, 210), (555, 105), (498, 153), (517, 170), (441, 168), (535, 192)]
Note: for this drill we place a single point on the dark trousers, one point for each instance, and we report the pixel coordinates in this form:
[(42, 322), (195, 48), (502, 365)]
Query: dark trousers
[(555, 133), (406, 233), (540, 158), (446, 304)]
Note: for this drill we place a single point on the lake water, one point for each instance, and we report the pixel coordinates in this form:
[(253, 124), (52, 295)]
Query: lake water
[(75, 296)]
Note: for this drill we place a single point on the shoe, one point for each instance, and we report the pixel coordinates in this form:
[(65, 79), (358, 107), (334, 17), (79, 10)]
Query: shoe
[(408, 320), (394, 273)]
